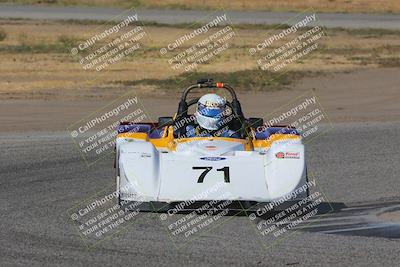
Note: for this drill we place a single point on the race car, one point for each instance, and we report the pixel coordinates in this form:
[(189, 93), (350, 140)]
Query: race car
[(157, 162)]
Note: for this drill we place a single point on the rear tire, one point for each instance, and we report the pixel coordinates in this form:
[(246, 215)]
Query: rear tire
[(135, 206), (255, 122), (308, 188), (165, 121), (117, 190)]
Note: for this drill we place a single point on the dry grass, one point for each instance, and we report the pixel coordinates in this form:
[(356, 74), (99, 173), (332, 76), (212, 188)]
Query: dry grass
[(366, 6), (36, 61)]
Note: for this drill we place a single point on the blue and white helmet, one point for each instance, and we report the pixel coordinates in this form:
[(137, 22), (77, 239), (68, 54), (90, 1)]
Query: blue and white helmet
[(210, 110)]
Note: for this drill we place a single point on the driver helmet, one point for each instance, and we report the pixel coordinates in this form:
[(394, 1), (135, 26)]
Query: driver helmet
[(210, 110)]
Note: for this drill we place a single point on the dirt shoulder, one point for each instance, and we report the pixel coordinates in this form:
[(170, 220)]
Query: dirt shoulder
[(360, 96)]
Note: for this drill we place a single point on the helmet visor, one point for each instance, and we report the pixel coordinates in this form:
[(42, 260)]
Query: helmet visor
[(213, 112)]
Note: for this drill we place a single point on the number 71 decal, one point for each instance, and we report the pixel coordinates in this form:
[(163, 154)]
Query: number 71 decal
[(208, 169)]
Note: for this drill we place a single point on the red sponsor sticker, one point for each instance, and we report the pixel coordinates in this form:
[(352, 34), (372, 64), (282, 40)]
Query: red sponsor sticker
[(211, 147), (288, 155)]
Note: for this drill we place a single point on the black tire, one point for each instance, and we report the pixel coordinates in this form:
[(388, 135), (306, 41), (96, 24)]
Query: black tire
[(255, 122), (165, 121), (134, 206), (308, 188)]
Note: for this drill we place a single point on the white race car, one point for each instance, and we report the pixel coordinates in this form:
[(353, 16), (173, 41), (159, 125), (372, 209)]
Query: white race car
[(157, 163)]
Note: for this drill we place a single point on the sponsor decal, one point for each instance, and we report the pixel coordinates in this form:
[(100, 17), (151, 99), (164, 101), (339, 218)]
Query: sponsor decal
[(292, 155), (145, 155), (211, 147), (287, 155), (213, 158)]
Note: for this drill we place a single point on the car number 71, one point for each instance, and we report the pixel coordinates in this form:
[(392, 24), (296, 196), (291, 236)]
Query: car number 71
[(208, 169)]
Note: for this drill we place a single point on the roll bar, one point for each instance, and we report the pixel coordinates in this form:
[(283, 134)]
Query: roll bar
[(209, 83)]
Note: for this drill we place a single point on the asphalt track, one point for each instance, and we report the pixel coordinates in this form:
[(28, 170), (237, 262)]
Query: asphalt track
[(169, 16), (355, 164)]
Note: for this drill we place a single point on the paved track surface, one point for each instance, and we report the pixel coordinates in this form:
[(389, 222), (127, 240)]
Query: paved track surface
[(378, 21), (43, 175)]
